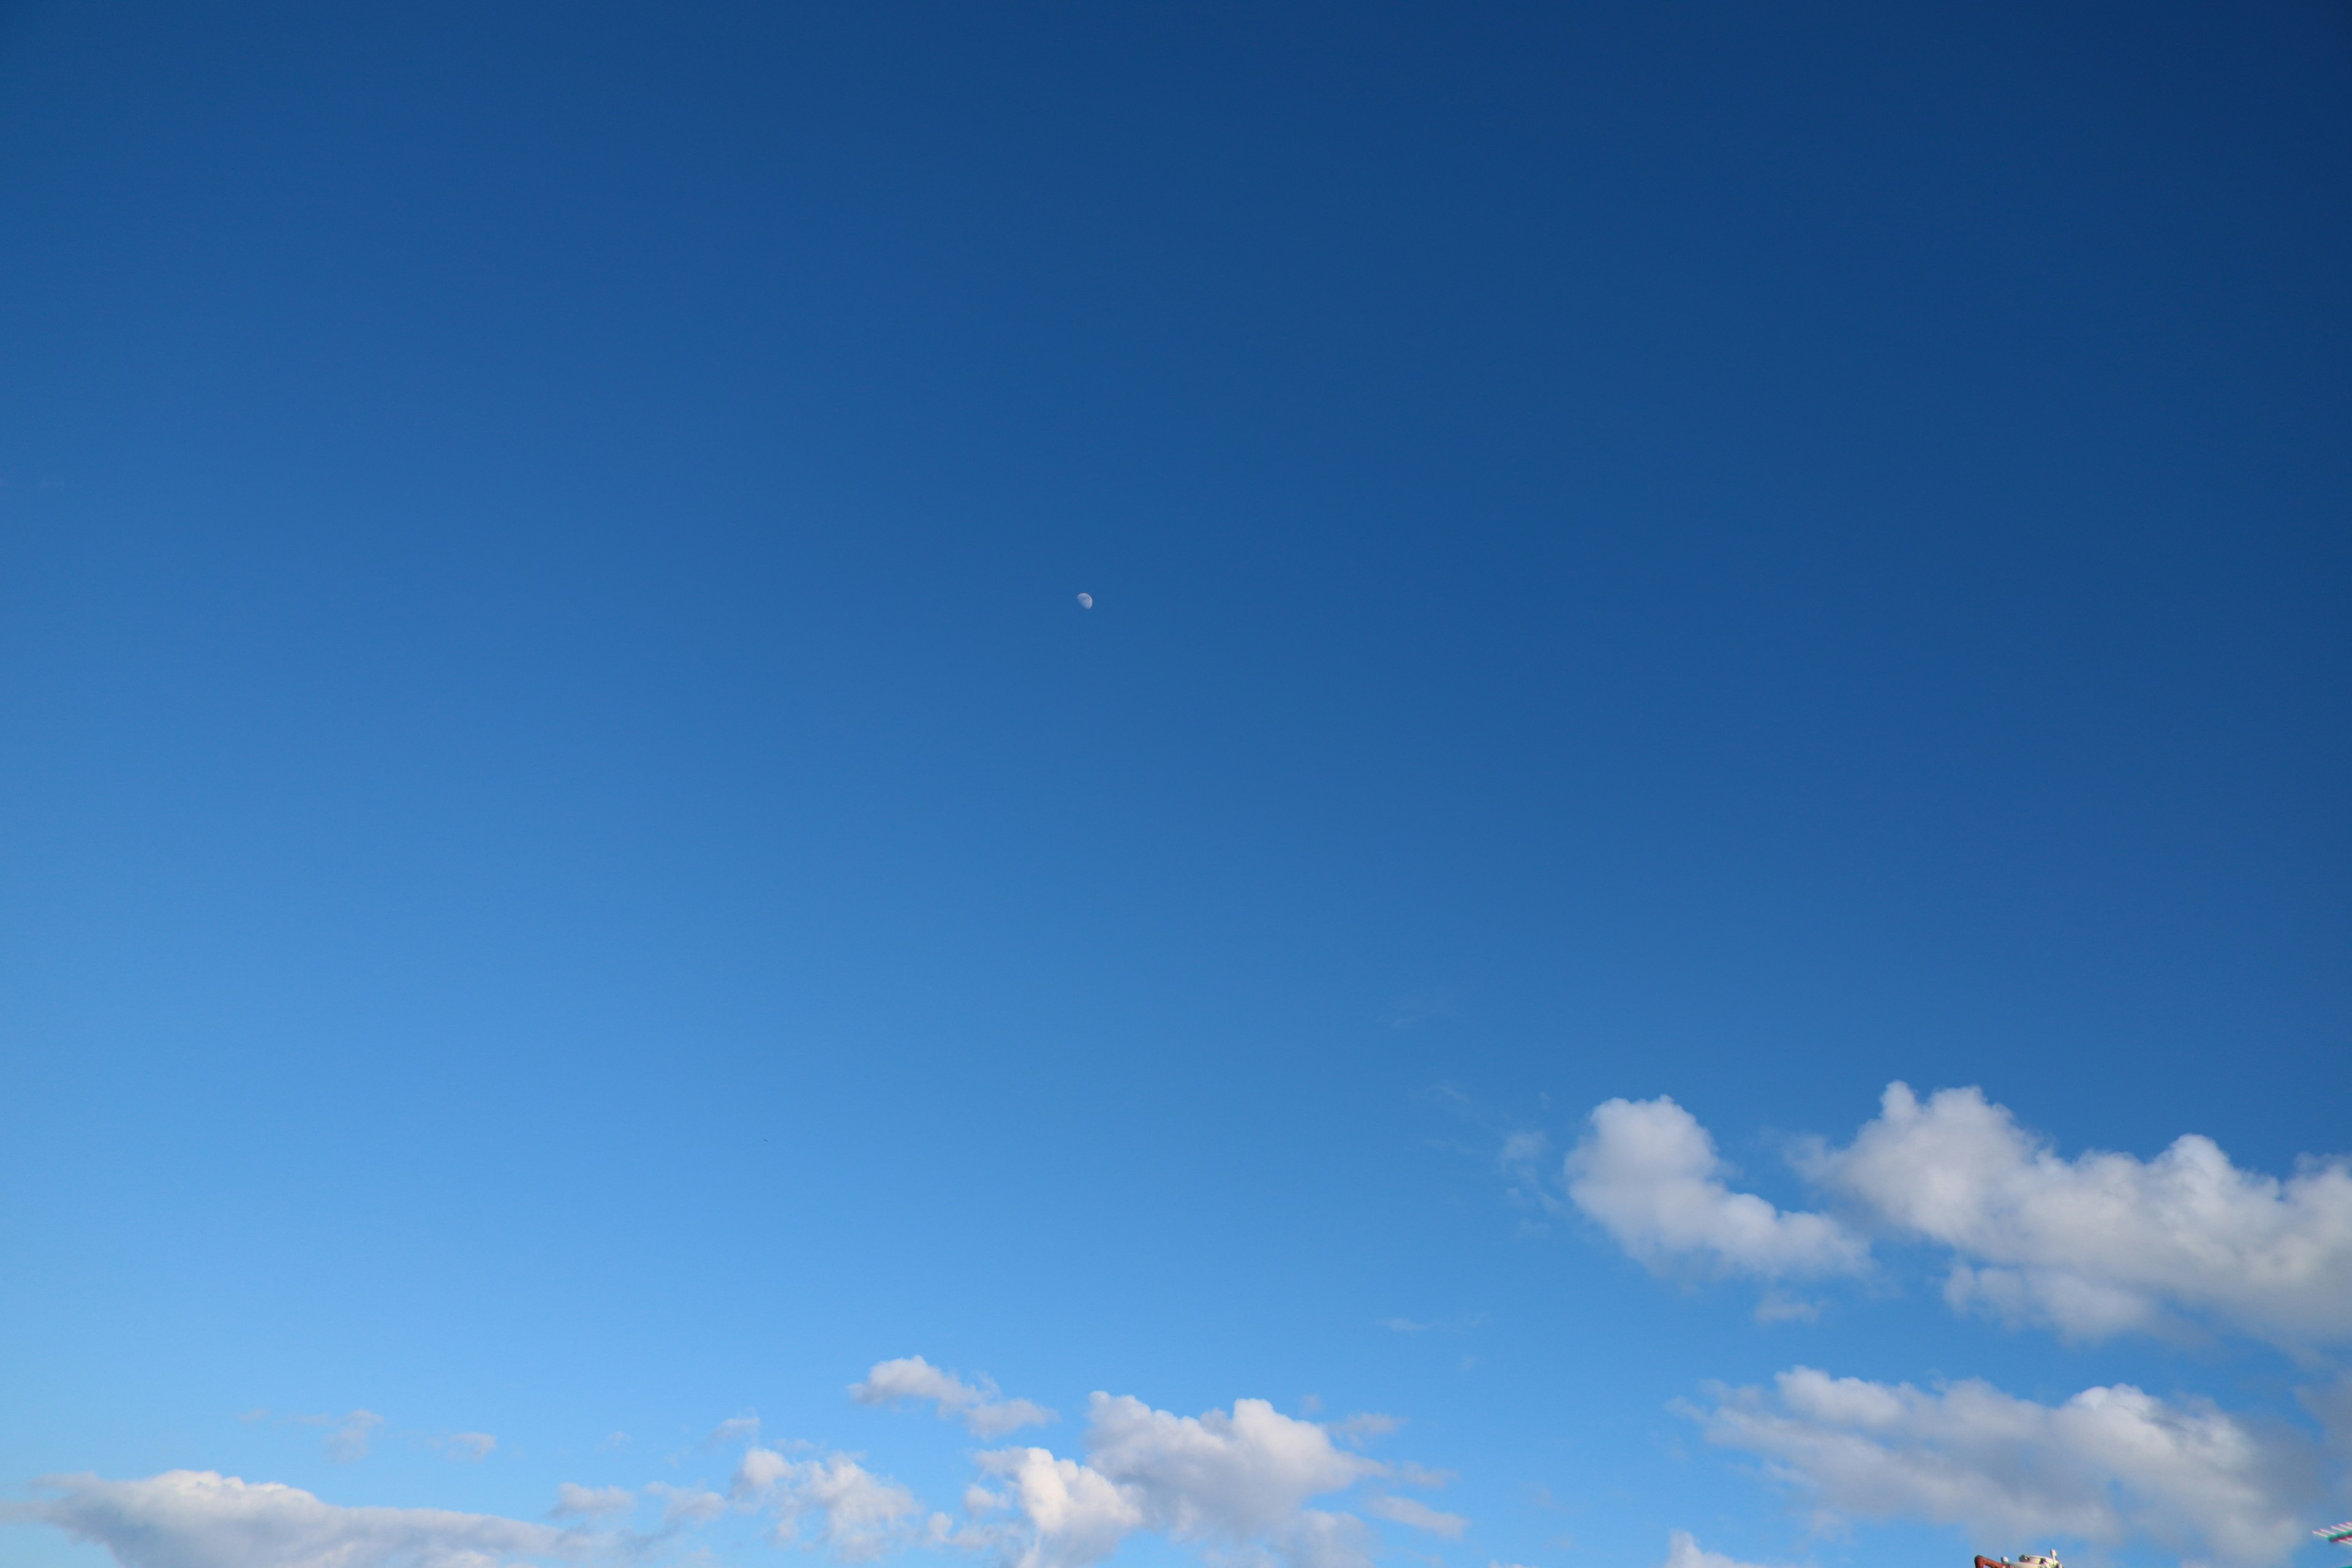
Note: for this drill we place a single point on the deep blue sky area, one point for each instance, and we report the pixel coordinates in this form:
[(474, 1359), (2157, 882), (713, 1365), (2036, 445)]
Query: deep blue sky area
[(570, 860)]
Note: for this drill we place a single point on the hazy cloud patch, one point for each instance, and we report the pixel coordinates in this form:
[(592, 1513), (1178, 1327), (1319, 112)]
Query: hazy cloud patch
[(198, 1519)]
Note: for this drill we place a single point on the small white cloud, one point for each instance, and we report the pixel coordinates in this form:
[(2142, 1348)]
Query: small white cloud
[(1684, 1552), (592, 1502), (984, 1412), (198, 1519), (469, 1446), (613, 1440), (1365, 1426), (865, 1515), (2111, 1466), (1649, 1174), (1418, 1514)]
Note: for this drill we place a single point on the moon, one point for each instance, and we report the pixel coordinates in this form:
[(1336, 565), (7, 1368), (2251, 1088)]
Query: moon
[(1085, 601)]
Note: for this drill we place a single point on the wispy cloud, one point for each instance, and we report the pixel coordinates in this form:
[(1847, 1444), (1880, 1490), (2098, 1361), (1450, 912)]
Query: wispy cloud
[(348, 1435), (592, 1502), (198, 1519), (1418, 1514)]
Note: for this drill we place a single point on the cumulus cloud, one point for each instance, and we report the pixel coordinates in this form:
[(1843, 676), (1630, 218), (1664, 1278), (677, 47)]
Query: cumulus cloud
[(1648, 1173), (468, 1445), (2092, 1246), (197, 1519), (1682, 1551), (2105, 1242), (2109, 1466), (1418, 1514), (864, 1515), (1238, 1480), (984, 1413), (1076, 1515), (592, 1502)]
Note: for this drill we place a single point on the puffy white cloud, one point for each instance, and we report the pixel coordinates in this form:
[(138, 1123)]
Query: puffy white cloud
[(1217, 1475), (1418, 1514), (1648, 1173), (468, 1445), (1238, 1480), (1682, 1551), (197, 1519), (984, 1413), (2103, 1242), (573, 1501), (2109, 1466), (865, 1515), (1076, 1515)]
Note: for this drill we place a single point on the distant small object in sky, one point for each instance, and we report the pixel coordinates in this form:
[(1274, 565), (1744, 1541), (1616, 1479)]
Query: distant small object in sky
[(1085, 601)]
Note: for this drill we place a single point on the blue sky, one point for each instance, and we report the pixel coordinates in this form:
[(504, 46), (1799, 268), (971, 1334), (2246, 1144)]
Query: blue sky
[(602, 962)]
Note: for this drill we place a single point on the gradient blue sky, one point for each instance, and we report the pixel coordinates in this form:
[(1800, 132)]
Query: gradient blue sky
[(569, 863)]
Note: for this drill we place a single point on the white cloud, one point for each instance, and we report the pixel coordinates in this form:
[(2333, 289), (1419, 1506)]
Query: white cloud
[(197, 1519), (865, 1515), (1648, 1173), (1076, 1515), (1682, 1551), (1418, 1514), (573, 1501), (984, 1413), (734, 1429), (469, 1446), (1241, 1481), (686, 1506), (2105, 1242), (2109, 1466), (349, 1438), (1365, 1426)]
